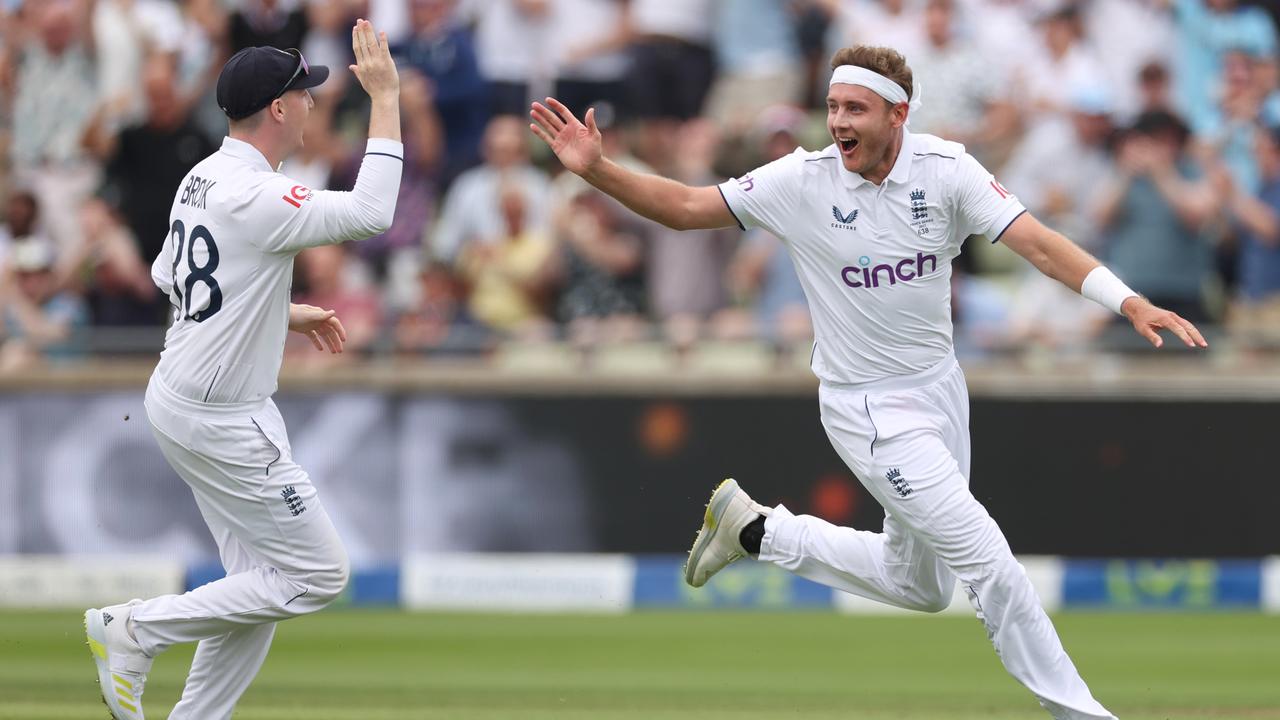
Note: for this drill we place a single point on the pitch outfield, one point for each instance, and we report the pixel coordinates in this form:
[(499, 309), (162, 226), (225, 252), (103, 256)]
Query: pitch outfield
[(376, 665)]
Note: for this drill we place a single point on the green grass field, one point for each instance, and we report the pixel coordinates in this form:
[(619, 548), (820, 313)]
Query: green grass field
[(376, 665)]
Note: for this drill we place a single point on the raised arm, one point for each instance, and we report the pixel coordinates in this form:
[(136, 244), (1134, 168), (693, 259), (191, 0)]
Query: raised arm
[(1064, 261), (578, 146)]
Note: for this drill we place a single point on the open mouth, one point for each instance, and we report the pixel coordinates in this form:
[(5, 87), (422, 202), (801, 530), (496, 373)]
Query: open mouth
[(846, 146)]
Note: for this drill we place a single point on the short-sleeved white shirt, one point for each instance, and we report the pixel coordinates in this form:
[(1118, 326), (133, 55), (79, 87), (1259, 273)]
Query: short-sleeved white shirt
[(875, 260)]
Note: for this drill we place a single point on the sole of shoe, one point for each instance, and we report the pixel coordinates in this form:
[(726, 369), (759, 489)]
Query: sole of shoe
[(722, 495), (95, 633)]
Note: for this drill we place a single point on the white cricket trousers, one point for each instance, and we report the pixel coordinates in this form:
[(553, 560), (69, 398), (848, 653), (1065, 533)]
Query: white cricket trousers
[(908, 442), (282, 555)]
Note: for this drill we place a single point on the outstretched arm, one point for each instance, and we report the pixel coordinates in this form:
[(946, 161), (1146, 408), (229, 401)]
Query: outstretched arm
[(578, 146), (1064, 261)]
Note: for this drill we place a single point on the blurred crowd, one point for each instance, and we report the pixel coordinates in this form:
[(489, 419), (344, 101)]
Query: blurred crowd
[(1146, 130)]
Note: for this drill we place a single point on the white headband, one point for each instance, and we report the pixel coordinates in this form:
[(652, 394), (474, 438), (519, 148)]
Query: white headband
[(877, 83)]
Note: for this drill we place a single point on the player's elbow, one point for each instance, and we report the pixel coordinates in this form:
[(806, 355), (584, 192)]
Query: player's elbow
[(329, 583)]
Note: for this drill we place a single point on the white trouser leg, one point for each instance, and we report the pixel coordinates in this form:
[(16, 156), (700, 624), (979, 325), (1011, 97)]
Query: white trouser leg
[(224, 665), (246, 482), (907, 449)]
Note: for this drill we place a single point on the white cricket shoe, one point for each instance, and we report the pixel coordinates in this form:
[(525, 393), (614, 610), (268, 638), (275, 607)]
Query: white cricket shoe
[(729, 510), (122, 666)]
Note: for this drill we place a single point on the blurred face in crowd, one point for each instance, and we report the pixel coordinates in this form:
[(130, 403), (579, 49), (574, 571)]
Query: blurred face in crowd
[(57, 26), (158, 83), (504, 142), (1092, 128), (429, 14), (937, 22), (36, 285), (21, 214), (1060, 33), (864, 125), (1267, 148), (323, 268)]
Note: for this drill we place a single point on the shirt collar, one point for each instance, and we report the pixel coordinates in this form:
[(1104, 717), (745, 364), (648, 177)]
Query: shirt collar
[(242, 150), (898, 174)]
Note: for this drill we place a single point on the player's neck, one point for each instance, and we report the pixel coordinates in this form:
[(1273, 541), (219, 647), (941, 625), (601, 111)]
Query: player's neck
[(877, 174), (270, 150)]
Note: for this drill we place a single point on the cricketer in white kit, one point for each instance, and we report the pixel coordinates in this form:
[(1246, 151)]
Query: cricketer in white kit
[(872, 223), (235, 227)]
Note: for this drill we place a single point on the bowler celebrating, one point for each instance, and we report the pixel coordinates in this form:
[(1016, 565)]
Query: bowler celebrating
[(872, 223), (235, 227)]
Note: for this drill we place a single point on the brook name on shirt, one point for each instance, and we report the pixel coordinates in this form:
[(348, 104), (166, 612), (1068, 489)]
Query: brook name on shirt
[(904, 270), (196, 191)]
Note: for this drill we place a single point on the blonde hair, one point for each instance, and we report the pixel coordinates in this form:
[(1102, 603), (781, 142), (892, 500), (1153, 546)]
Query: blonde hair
[(885, 61)]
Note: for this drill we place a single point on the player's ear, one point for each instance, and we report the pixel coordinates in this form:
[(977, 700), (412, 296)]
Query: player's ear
[(276, 109)]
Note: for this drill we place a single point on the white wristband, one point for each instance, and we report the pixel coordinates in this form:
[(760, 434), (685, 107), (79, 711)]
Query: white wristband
[(1103, 287)]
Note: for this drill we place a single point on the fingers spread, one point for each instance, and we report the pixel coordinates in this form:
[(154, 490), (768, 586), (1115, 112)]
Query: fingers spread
[(547, 119), (1173, 322), (315, 340), (336, 324), (537, 130), (1195, 334), (560, 108)]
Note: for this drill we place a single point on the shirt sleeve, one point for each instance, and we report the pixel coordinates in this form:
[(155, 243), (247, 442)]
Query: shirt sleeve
[(983, 205), (766, 196), (288, 217), (162, 267)]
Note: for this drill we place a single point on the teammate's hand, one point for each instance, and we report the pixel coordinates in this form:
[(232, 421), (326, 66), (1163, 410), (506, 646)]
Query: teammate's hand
[(578, 146), (1148, 318), (374, 67), (322, 326)]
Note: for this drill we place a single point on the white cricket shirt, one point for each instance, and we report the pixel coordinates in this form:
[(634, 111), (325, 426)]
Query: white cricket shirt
[(227, 264), (875, 260)]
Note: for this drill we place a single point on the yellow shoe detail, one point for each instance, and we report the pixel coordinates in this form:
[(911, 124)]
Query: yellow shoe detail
[(128, 706), (97, 648), (127, 685)]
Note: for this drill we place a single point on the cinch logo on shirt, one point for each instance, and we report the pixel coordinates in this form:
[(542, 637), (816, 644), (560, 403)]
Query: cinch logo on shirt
[(906, 269)]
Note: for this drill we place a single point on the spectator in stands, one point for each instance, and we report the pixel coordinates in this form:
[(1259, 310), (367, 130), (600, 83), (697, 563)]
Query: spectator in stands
[(1155, 91), (600, 268), (201, 54), (672, 65), (686, 268), (125, 32), (1129, 35), (1061, 62), (108, 272), (39, 321), (1154, 212), (1059, 165), (1058, 168), (757, 61), (21, 214), (1228, 132), (511, 45), (277, 23), (55, 100), (967, 95), (147, 162), (509, 274), (1206, 31), (891, 23), (591, 37), (442, 50), (470, 212), (760, 273), (332, 280), (1256, 219), (436, 321)]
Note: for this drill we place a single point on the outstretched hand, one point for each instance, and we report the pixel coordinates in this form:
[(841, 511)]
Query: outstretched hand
[(322, 326), (578, 146), (1147, 319), (374, 67)]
